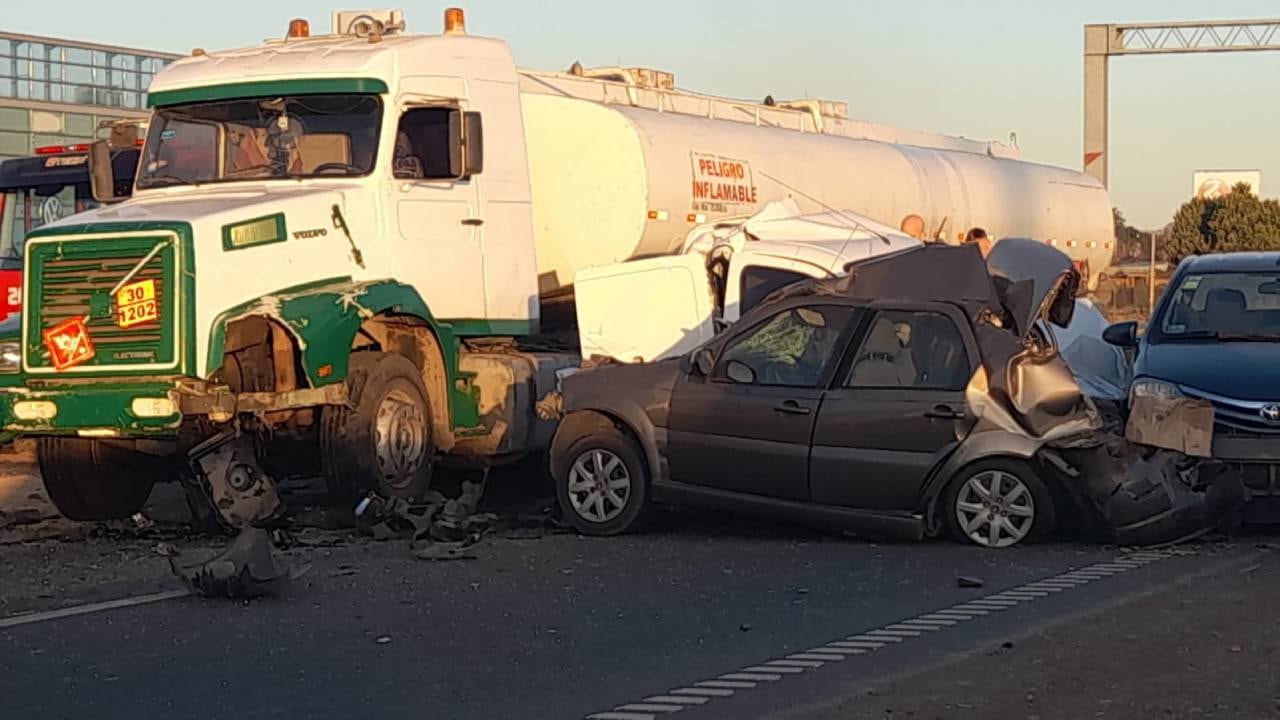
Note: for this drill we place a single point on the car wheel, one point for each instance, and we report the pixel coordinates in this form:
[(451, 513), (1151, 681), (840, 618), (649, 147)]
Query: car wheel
[(601, 483), (998, 504)]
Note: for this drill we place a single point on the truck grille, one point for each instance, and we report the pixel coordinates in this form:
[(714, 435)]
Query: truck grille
[(74, 278)]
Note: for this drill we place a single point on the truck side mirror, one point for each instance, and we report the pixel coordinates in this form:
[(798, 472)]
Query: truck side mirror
[(102, 179), (1123, 334), (466, 144)]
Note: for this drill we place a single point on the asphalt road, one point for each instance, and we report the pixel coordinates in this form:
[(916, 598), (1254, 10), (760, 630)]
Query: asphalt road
[(721, 617)]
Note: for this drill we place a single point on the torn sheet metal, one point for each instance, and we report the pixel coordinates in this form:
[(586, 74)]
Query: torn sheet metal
[(1136, 495), (1101, 369), (247, 568)]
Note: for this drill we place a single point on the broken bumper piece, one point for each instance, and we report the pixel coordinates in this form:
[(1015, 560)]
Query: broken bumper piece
[(1132, 494)]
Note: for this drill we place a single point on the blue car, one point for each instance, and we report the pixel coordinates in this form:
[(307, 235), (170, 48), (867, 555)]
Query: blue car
[(1215, 335)]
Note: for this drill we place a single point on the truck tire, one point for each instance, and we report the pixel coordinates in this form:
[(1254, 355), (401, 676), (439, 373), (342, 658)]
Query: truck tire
[(382, 438), (90, 480)]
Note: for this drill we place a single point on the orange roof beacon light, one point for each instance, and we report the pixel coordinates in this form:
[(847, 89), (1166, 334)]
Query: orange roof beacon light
[(455, 22), (299, 28)]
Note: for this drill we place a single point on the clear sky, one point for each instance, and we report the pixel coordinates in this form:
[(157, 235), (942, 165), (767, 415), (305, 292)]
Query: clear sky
[(979, 68)]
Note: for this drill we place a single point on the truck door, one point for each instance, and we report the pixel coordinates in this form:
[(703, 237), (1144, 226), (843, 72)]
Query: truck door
[(437, 214), (895, 409)]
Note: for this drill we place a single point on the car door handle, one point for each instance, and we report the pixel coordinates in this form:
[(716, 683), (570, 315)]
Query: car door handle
[(944, 412), (475, 222), (791, 407)]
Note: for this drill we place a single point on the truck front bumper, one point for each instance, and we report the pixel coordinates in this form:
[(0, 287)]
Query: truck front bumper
[(120, 409)]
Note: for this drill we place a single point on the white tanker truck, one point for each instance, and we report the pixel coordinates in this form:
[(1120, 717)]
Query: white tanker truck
[(345, 243)]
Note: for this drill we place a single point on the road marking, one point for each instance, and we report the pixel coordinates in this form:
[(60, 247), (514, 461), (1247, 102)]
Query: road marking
[(673, 700), (757, 677), (870, 641), (90, 608), (652, 707)]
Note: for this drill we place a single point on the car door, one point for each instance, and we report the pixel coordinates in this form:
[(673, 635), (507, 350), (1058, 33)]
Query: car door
[(895, 409), (746, 426)]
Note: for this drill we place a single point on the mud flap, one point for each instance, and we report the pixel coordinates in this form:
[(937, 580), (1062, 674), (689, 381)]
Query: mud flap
[(241, 490)]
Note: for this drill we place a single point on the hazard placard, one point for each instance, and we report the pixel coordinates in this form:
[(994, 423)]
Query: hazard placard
[(136, 303), (68, 343)]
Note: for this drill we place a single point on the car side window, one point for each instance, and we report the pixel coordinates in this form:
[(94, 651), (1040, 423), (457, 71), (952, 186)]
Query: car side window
[(923, 350), (758, 282), (789, 349)]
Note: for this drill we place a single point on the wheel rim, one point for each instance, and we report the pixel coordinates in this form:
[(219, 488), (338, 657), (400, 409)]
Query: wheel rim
[(995, 509), (599, 486), (400, 438)]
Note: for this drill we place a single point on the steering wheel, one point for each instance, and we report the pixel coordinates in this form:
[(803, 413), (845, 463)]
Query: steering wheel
[(323, 167)]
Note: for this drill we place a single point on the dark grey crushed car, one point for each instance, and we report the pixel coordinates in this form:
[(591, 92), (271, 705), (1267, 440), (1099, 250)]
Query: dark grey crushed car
[(917, 393)]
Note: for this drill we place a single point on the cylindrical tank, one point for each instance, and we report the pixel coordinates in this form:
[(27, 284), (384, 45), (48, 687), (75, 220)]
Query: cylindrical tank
[(614, 182)]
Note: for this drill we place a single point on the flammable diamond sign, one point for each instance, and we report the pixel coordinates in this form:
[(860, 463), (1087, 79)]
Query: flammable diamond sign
[(68, 343)]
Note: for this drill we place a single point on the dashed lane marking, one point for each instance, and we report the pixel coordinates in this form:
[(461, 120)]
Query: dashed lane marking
[(771, 671)]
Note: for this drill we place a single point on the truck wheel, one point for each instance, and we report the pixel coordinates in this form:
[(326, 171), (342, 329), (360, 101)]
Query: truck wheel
[(382, 439), (998, 504), (601, 482), (90, 480)]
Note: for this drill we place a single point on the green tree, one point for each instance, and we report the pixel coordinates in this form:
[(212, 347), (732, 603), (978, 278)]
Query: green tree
[(1130, 241), (1237, 221)]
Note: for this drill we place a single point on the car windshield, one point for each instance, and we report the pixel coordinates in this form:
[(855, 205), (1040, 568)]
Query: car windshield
[(1222, 306), (261, 139)]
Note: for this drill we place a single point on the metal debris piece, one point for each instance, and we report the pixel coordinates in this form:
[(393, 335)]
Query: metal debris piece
[(966, 581), (243, 493), (247, 568)]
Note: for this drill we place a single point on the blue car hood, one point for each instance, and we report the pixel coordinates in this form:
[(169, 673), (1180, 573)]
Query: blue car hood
[(1241, 370)]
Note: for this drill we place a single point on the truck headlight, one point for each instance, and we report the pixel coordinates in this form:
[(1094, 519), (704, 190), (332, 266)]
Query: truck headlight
[(1152, 388), (10, 357)]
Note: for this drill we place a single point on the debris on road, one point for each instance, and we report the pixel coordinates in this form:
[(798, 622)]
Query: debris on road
[(966, 581), (247, 568)]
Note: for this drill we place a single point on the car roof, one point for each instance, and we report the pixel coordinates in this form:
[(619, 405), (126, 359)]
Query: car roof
[(1236, 262)]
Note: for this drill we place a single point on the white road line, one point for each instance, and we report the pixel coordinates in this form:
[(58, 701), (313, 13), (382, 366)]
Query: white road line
[(861, 644), (816, 656), (726, 684), (841, 650), (673, 700), (90, 608), (871, 640), (651, 708), (702, 692), (757, 677), (785, 670), (795, 663)]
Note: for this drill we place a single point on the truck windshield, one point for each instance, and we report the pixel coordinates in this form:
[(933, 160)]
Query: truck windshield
[(1222, 306), (261, 139), (25, 209)]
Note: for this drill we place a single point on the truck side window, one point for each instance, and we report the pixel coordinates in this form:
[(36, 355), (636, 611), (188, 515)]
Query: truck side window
[(422, 145), (758, 282)]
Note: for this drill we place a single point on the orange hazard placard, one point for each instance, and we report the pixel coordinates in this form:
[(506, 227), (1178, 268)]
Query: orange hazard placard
[(136, 303), (68, 343)]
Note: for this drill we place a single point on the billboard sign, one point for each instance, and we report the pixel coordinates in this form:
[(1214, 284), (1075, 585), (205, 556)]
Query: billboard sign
[(1213, 184)]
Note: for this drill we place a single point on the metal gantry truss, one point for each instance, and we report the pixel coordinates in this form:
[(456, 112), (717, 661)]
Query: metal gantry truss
[(1101, 42)]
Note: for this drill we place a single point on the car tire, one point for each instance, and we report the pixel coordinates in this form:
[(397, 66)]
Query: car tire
[(382, 438), (90, 480), (1021, 508), (602, 484)]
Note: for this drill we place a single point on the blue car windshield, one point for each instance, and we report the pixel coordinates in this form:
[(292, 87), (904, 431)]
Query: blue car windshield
[(1221, 306)]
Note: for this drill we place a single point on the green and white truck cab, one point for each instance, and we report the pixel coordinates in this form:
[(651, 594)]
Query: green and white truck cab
[(312, 237)]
